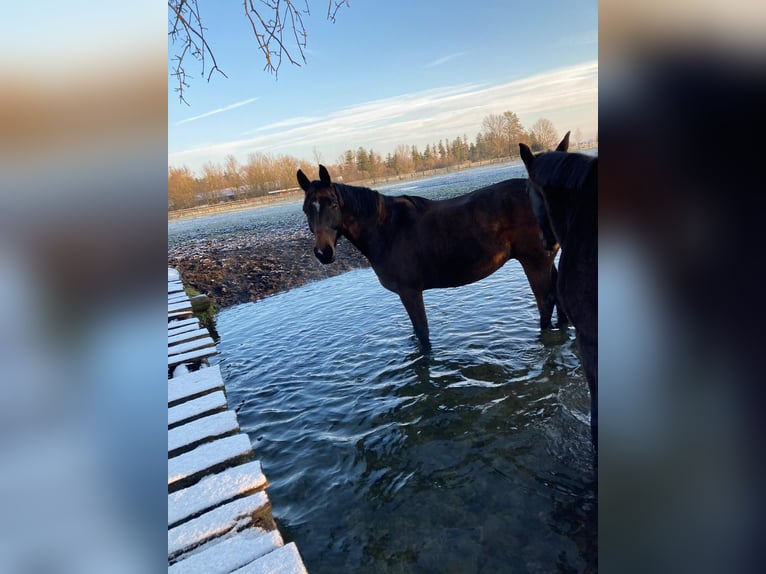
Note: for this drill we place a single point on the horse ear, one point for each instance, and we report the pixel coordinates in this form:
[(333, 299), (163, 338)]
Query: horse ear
[(526, 155), (324, 175), (303, 181), (564, 144)]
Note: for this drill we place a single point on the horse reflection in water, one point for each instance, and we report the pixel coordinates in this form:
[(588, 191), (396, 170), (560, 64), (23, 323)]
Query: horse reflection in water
[(564, 188), (414, 244)]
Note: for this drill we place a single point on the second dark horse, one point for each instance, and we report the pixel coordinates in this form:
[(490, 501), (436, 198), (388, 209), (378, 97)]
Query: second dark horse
[(413, 243), (565, 186)]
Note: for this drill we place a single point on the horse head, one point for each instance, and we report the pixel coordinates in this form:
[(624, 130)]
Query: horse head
[(322, 206), (559, 180), (537, 199)]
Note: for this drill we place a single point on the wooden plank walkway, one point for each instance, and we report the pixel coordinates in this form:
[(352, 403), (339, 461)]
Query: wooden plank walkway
[(219, 515)]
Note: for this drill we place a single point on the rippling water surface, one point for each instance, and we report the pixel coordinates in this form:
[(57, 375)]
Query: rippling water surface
[(475, 459)]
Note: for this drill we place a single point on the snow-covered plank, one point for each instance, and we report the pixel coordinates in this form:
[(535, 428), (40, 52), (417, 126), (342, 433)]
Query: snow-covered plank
[(191, 356), (237, 514), (179, 323), (187, 346), (192, 325), (197, 407), (209, 427), (229, 554), (189, 335), (207, 456), (175, 287), (175, 307), (180, 314), (214, 490), (173, 274), (283, 560), (177, 298), (193, 384)]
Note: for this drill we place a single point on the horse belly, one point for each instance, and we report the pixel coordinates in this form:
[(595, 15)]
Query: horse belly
[(462, 268)]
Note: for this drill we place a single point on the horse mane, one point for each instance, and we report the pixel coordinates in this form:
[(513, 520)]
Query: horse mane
[(564, 170), (364, 202), (360, 200)]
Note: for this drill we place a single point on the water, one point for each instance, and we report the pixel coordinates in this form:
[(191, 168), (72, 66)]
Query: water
[(476, 459)]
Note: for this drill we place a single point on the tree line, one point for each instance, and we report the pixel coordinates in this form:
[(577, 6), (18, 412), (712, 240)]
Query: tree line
[(264, 173)]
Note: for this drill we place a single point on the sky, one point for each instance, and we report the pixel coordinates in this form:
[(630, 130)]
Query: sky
[(388, 73)]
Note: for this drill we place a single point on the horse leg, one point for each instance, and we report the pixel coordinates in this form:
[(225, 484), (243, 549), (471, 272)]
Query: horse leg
[(588, 350), (541, 280), (563, 320), (412, 300)]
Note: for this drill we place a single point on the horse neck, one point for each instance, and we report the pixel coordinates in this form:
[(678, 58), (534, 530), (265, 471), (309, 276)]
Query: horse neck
[(579, 212), (361, 216)]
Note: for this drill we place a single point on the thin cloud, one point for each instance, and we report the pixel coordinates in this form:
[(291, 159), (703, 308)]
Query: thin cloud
[(567, 96), (217, 111), (444, 59), (289, 122)]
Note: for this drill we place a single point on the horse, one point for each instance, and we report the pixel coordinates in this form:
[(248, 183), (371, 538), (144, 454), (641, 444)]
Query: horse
[(414, 243), (566, 184)]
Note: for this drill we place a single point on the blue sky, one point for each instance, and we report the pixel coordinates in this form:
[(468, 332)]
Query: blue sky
[(386, 73)]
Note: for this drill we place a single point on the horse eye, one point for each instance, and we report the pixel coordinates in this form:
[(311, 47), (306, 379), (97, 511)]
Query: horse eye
[(334, 205)]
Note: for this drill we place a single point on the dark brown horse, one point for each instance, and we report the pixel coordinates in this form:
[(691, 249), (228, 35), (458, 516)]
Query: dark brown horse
[(567, 186), (413, 243)]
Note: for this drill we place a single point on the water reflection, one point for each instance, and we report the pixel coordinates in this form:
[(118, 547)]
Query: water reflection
[(475, 458)]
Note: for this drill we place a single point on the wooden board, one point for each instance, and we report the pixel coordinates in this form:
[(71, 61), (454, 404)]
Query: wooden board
[(229, 554), (283, 560), (187, 336), (189, 346), (196, 408), (234, 515), (205, 428), (206, 457), (180, 323), (194, 384), (191, 356), (215, 490), (175, 307)]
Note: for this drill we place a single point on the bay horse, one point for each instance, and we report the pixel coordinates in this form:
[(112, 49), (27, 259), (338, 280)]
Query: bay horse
[(414, 243), (566, 184)]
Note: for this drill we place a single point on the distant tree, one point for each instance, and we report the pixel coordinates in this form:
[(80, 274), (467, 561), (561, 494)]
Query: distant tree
[(375, 164), (213, 179), (501, 135), (231, 172), (442, 150), (362, 160), (493, 133), (182, 187), (256, 173), (513, 132), (543, 135), (403, 159), (417, 159), (277, 26)]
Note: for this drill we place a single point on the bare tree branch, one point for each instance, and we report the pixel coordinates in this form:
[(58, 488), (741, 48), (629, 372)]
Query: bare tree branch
[(270, 20), (188, 26)]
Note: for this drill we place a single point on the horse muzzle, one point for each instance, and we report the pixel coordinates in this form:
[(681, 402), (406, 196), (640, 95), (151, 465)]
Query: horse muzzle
[(325, 255)]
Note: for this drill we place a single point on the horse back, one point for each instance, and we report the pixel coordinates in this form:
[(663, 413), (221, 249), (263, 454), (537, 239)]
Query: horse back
[(456, 241)]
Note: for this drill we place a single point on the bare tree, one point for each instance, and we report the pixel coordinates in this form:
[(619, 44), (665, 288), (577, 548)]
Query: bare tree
[(513, 132), (277, 26), (493, 135), (544, 135), (502, 134)]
